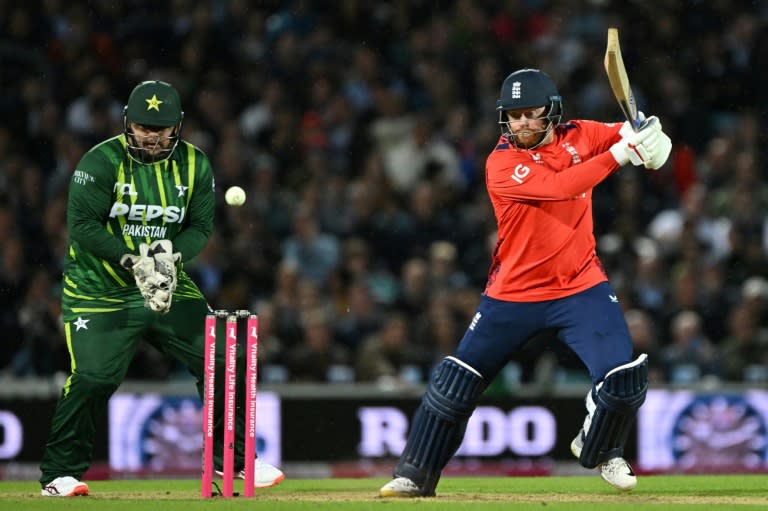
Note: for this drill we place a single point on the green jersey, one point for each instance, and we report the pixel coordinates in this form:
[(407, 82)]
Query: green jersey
[(114, 205)]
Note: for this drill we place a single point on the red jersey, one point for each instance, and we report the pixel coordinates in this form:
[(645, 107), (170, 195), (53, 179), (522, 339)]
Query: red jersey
[(542, 199)]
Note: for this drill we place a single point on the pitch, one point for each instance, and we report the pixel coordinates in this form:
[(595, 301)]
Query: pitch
[(571, 493)]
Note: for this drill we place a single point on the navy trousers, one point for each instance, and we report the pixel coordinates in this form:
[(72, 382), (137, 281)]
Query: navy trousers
[(590, 322)]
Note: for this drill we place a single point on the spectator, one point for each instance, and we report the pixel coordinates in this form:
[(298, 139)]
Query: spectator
[(669, 225), (445, 273), (691, 355), (650, 286), (645, 340), (438, 329), (754, 293), (357, 266), (285, 299), (389, 357), (41, 351), (361, 316), (83, 114), (314, 253), (318, 357), (745, 347), (414, 287)]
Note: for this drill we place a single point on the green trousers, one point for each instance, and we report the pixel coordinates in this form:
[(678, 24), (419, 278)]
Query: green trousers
[(101, 347)]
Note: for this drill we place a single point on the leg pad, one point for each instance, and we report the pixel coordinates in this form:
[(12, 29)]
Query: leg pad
[(617, 401), (439, 423)]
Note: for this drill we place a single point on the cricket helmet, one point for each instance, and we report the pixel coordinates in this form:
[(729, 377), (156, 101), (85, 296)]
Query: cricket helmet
[(153, 104), (529, 88)]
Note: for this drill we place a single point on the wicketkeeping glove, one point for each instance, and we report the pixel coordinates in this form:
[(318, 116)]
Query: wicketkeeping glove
[(165, 265), (143, 268), (154, 270)]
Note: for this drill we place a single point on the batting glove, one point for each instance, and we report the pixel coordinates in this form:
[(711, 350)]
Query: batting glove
[(659, 152), (636, 147)]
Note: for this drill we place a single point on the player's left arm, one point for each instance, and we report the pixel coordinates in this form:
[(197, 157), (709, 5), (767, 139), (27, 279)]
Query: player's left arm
[(191, 240), (517, 176)]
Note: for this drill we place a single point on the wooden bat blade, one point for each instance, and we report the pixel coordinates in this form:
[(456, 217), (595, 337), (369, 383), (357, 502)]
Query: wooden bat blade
[(617, 77)]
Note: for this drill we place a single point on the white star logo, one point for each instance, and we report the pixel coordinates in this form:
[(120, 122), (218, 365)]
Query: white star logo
[(81, 323), (182, 190), (614, 298)]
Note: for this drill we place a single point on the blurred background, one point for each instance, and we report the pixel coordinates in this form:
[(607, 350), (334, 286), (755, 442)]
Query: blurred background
[(359, 130)]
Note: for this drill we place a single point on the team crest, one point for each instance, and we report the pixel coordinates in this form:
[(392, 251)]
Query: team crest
[(153, 103)]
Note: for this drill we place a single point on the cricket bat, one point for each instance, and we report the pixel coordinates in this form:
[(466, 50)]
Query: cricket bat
[(617, 76)]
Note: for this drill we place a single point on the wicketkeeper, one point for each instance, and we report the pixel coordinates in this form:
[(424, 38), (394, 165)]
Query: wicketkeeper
[(140, 205)]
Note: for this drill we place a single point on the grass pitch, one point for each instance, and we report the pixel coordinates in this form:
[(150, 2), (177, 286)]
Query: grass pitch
[(570, 493)]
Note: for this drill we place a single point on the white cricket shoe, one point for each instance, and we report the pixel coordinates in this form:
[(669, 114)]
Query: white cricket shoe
[(400, 487), (265, 475), (66, 486), (615, 471), (618, 473)]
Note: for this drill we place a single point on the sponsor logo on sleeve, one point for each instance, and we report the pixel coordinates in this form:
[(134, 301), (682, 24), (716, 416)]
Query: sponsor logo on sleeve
[(520, 173), (81, 177)]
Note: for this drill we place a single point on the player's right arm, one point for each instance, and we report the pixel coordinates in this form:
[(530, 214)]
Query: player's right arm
[(88, 206)]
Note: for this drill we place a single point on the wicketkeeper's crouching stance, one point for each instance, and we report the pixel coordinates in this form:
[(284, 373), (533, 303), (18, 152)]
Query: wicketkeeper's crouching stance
[(544, 276), (140, 205)]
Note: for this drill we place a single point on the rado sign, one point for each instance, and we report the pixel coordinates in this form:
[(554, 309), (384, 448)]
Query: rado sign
[(491, 431)]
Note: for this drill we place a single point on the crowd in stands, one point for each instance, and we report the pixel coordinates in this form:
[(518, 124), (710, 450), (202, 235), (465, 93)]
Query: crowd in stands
[(359, 130)]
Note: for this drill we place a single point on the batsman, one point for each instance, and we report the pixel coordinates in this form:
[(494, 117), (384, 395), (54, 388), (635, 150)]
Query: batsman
[(140, 205), (544, 276)]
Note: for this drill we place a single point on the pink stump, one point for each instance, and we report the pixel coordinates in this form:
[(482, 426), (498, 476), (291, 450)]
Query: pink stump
[(251, 375), (209, 380), (230, 377)]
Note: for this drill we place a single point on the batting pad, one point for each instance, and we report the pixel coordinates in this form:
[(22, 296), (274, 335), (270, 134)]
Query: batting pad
[(439, 423), (618, 399)]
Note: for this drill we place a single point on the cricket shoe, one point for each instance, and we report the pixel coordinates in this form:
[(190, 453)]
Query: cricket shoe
[(64, 487), (618, 473), (400, 487), (265, 475), (615, 471)]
